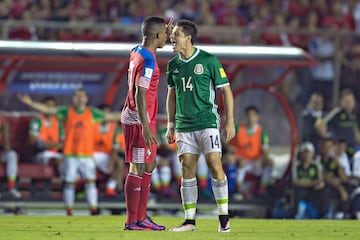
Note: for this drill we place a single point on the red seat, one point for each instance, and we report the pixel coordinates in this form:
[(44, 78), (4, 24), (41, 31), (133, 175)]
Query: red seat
[(36, 171)]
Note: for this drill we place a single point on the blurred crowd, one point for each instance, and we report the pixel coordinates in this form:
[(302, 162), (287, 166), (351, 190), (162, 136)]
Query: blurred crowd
[(293, 16)]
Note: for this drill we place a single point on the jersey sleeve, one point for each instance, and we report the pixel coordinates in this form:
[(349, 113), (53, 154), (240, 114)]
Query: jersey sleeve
[(61, 130), (35, 126), (116, 143), (62, 112), (218, 73), (169, 79), (264, 139), (97, 114), (144, 72)]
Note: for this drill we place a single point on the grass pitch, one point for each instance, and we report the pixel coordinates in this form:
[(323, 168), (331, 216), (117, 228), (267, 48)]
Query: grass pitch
[(110, 227)]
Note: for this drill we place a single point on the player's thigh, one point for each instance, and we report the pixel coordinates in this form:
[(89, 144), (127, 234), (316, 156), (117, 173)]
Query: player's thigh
[(136, 150), (102, 160), (209, 140), (45, 156), (186, 143), (87, 168), (71, 166)]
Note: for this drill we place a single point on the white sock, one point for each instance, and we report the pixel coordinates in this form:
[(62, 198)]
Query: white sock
[(189, 196), (165, 175), (266, 175), (111, 184), (220, 190), (69, 195), (11, 163), (91, 194)]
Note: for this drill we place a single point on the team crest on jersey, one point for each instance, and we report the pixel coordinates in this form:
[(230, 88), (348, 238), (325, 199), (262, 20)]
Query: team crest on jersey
[(199, 69)]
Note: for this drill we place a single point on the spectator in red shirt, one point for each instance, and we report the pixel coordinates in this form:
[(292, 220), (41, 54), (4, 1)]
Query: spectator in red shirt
[(338, 19)]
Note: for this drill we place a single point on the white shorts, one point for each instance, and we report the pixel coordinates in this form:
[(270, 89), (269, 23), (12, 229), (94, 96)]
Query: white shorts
[(102, 160), (75, 166), (45, 156), (196, 142)]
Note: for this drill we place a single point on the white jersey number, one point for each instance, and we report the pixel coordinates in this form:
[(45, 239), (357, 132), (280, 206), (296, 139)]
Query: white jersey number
[(187, 84)]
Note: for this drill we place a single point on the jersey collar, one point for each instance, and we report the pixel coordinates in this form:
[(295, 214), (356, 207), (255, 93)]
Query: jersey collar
[(196, 52)]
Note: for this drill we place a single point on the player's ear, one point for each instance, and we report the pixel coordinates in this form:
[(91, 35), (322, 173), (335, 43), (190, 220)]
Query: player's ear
[(157, 35)]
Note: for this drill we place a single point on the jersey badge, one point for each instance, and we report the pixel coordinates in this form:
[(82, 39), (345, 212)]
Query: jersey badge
[(199, 69), (222, 73), (148, 73)]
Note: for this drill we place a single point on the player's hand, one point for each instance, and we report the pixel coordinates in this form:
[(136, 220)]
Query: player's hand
[(170, 133), (25, 98), (149, 137), (229, 132), (170, 26)]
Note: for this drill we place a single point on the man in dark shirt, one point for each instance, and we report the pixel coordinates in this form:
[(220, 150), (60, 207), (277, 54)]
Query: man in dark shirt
[(341, 122), (310, 117), (308, 182)]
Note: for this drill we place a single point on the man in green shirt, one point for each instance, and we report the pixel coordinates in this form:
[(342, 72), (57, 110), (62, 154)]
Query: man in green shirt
[(193, 77), (79, 143)]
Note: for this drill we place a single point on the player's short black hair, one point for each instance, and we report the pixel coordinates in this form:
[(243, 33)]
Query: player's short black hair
[(149, 23), (103, 106), (346, 92), (189, 28), (252, 108), (341, 140)]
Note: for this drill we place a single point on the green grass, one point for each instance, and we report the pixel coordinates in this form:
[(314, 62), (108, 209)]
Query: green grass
[(110, 227)]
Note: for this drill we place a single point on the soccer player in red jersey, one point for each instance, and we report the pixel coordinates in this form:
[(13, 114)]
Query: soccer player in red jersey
[(138, 119)]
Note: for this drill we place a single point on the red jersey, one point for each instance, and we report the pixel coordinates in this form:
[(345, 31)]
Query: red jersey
[(143, 72)]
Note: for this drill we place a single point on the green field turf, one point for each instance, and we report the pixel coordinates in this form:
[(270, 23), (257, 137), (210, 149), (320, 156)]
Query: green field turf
[(110, 227)]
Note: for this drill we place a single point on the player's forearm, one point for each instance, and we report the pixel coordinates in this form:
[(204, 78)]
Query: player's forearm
[(170, 105), (141, 107), (41, 107), (113, 116), (229, 104)]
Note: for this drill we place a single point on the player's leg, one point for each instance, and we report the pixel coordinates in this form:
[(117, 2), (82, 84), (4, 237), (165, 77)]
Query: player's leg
[(102, 161), (155, 179), (202, 177), (188, 155), (11, 160), (266, 171), (211, 146), (165, 177), (87, 169), (70, 175), (145, 191), (176, 167)]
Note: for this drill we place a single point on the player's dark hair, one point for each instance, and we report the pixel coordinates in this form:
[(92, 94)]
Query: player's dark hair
[(80, 90), (103, 106), (341, 140), (189, 29), (251, 108), (149, 24), (346, 92)]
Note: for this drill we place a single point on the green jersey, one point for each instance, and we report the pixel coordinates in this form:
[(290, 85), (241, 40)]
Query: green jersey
[(195, 81)]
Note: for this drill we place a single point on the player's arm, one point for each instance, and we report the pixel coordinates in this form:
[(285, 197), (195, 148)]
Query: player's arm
[(228, 100), (170, 110), (112, 116), (26, 99), (140, 97), (357, 134)]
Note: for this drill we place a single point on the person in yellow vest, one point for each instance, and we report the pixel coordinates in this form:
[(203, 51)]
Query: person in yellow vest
[(107, 146), (251, 145), (47, 136), (9, 157), (79, 143)]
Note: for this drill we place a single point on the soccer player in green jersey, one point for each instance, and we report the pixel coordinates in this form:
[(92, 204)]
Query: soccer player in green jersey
[(193, 77)]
